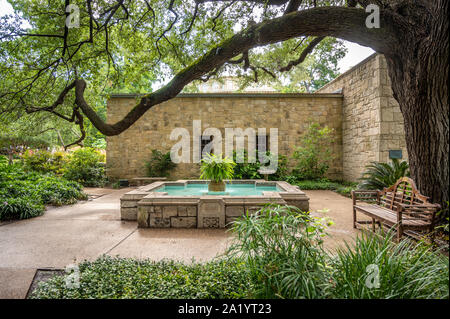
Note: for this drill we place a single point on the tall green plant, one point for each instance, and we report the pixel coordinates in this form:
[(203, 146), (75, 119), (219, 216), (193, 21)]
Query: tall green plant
[(216, 168), (380, 175), (282, 247), (314, 156), (398, 271), (160, 164)]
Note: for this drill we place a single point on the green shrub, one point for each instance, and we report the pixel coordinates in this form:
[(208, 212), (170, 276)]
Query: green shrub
[(3, 160), (44, 161), (109, 277), (245, 169), (314, 156), (160, 164), (86, 166), (380, 175), (216, 168)]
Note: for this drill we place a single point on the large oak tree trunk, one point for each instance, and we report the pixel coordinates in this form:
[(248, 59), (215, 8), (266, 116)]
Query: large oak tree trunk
[(419, 75)]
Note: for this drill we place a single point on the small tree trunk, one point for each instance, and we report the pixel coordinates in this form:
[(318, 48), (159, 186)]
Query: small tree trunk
[(419, 75)]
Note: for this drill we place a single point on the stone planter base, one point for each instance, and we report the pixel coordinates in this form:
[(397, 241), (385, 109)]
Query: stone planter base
[(216, 186)]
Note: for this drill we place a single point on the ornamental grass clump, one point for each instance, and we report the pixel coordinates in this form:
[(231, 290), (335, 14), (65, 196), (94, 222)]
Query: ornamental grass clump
[(376, 267), (282, 247)]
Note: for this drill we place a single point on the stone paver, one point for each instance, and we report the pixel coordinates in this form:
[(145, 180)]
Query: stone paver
[(177, 244), (14, 282), (69, 234)]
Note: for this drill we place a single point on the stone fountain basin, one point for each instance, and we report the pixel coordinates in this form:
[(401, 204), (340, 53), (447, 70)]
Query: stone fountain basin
[(152, 208)]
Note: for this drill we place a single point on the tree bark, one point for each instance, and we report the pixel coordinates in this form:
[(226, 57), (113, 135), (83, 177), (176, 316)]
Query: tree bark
[(419, 75)]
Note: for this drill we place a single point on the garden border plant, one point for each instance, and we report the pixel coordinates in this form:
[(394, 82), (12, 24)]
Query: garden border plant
[(278, 253), (25, 194)]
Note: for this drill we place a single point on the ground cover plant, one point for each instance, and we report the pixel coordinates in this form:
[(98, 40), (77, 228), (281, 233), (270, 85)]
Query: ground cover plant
[(109, 277), (24, 194)]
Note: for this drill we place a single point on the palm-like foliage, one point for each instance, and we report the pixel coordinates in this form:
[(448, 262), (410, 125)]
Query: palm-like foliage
[(380, 175), (216, 168)]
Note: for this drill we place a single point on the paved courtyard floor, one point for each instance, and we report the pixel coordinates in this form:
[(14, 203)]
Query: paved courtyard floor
[(86, 230)]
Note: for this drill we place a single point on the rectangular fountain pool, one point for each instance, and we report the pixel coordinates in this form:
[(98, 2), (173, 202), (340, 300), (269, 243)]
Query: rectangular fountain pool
[(231, 190), (188, 204)]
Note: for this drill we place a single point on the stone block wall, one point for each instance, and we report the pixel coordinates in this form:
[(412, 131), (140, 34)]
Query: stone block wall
[(372, 121), (128, 152)]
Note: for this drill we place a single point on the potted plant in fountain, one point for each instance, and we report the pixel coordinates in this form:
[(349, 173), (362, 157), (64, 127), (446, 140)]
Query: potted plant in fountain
[(216, 169)]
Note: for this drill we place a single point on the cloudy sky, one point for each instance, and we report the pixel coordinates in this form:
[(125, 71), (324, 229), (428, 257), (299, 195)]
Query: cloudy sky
[(356, 53)]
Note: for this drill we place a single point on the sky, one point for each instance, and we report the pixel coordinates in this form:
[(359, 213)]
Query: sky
[(355, 54)]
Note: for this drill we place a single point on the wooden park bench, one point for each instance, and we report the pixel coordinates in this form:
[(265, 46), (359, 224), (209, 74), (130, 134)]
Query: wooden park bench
[(400, 206)]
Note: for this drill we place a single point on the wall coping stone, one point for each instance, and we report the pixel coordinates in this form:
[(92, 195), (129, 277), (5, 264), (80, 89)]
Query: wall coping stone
[(237, 95)]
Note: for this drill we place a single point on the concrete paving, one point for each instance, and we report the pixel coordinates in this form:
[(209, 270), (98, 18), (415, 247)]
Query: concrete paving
[(86, 230)]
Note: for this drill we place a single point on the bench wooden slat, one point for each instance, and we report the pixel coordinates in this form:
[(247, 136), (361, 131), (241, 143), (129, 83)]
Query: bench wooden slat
[(390, 216)]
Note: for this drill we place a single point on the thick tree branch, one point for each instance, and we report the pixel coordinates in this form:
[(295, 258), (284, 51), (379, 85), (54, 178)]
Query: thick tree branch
[(346, 23)]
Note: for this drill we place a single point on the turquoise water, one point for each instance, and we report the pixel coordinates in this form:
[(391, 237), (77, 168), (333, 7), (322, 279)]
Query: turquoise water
[(231, 190)]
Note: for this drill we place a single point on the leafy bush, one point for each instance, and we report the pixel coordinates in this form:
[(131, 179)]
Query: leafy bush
[(160, 164), (44, 161), (216, 168), (245, 169), (24, 194), (380, 175), (109, 277), (3, 160), (86, 166), (314, 156)]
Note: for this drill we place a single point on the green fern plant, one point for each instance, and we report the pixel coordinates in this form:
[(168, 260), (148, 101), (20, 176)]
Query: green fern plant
[(380, 175), (216, 168)]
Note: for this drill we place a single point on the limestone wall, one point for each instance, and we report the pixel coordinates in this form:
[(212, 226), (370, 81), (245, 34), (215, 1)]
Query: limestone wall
[(290, 113), (372, 121)]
